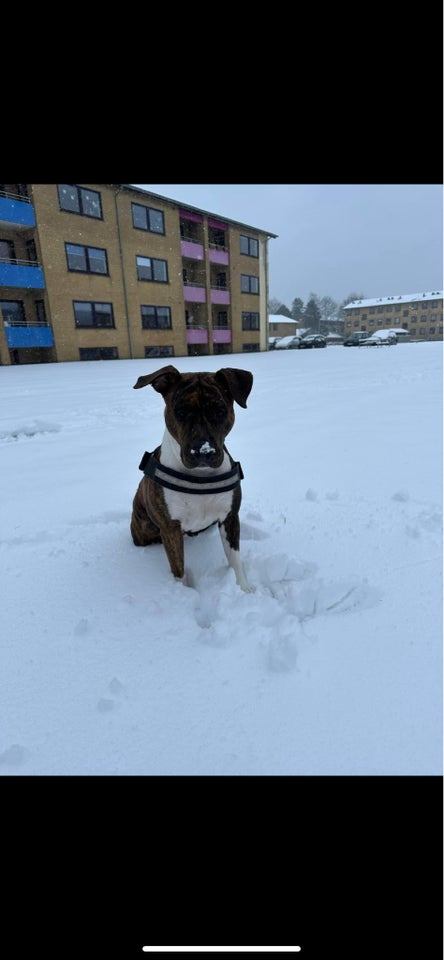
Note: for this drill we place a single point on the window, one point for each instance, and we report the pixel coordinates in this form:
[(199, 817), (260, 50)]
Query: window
[(413, 332), (98, 353), (7, 250), (423, 319), (379, 323), (148, 268), (372, 309), (380, 309), (74, 199), (396, 320), (86, 259), (433, 318), (364, 317), (40, 311), (349, 323), (88, 314), (249, 246), (413, 319), (422, 330), (31, 251), (250, 321), (216, 238), (440, 330), (159, 351), (371, 323), (221, 280), (222, 318), (249, 284), (147, 218), (12, 312), (250, 347), (155, 318), (389, 308), (405, 313), (432, 330)]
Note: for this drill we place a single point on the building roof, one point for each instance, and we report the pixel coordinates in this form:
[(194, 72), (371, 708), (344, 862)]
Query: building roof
[(279, 318), (405, 298), (187, 206)]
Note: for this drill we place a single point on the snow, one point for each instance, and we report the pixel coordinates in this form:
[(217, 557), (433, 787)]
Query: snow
[(404, 298), (332, 666)]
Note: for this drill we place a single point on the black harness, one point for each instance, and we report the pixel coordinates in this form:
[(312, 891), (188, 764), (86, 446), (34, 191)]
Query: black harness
[(221, 483)]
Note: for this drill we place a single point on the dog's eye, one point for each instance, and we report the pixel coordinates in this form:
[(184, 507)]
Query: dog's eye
[(215, 411), (181, 411)]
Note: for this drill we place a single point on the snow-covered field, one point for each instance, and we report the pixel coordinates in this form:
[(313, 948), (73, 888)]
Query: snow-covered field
[(332, 666)]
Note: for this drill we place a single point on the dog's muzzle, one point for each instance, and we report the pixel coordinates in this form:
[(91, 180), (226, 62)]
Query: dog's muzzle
[(202, 452)]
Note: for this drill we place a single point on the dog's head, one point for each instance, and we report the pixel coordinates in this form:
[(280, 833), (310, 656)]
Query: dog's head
[(199, 409)]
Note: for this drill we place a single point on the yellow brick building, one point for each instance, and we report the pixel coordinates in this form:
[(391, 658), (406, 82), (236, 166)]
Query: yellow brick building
[(110, 271), (420, 314)]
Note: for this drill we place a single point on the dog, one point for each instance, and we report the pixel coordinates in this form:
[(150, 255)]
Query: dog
[(190, 481)]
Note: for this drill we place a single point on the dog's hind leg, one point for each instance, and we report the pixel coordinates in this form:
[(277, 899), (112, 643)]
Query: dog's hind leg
[(143, 530)]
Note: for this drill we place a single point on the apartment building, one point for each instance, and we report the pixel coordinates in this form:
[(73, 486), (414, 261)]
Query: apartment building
[(420, 314), (110, 271)]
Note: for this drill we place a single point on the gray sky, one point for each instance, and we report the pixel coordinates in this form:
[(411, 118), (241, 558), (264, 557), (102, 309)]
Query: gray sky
[(379, 240)]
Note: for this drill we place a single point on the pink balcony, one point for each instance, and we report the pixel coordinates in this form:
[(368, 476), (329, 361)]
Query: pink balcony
[(189, 248), (195, 294), (197, 336), (220, 296), (218, 256), (221, 336)]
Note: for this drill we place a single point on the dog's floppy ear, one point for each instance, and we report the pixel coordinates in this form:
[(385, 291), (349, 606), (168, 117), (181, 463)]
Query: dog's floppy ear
[(237, 382), (162, 380)]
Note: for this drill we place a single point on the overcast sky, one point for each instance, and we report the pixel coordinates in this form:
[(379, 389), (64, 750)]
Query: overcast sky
[(379, 240)]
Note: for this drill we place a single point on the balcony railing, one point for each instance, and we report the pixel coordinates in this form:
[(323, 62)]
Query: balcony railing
[(22, 263), (26, 323), (14, 196)]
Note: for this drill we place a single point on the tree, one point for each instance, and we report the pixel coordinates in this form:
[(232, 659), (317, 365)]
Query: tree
[(284, 311), (312, 312), (297, 309), (273, 305)]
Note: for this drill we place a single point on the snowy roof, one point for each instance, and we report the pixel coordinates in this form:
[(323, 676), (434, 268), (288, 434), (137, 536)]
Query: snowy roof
[(278, 318), (405, 298)]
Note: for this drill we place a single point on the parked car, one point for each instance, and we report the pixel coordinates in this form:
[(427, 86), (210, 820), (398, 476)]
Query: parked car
[(379, 339), (314, 340), (272, 341), (288, 343), (354, 339)]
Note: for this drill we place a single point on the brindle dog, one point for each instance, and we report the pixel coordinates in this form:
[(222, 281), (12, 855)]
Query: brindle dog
[(191, 481)]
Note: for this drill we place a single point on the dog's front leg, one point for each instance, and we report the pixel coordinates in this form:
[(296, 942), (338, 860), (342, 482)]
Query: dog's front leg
[(172, 539), (230, 535)]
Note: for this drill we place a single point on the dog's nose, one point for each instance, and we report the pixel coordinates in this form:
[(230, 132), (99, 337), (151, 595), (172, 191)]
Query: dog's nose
[(202, 450)]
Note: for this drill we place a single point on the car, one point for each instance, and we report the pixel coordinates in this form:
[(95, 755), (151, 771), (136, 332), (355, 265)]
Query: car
[(272, 341), (354, 339), (380, 339), (314, 340), (288, 343)]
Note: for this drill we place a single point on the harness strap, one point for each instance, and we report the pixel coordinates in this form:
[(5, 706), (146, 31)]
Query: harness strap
[(221, 483)]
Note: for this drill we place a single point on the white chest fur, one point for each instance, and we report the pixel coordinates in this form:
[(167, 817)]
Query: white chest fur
[(194, 511)]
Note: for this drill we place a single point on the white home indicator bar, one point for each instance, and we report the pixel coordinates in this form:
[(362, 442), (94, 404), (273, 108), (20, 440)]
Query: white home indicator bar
[(221, 949)]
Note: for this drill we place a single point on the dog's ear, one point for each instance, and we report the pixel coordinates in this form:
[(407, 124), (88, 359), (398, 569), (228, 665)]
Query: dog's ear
[(162, 380), (238, 383)]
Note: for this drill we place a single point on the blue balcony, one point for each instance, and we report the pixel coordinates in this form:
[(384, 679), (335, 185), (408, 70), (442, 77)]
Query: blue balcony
[(26, 275), (17, 211), (33, 336)]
